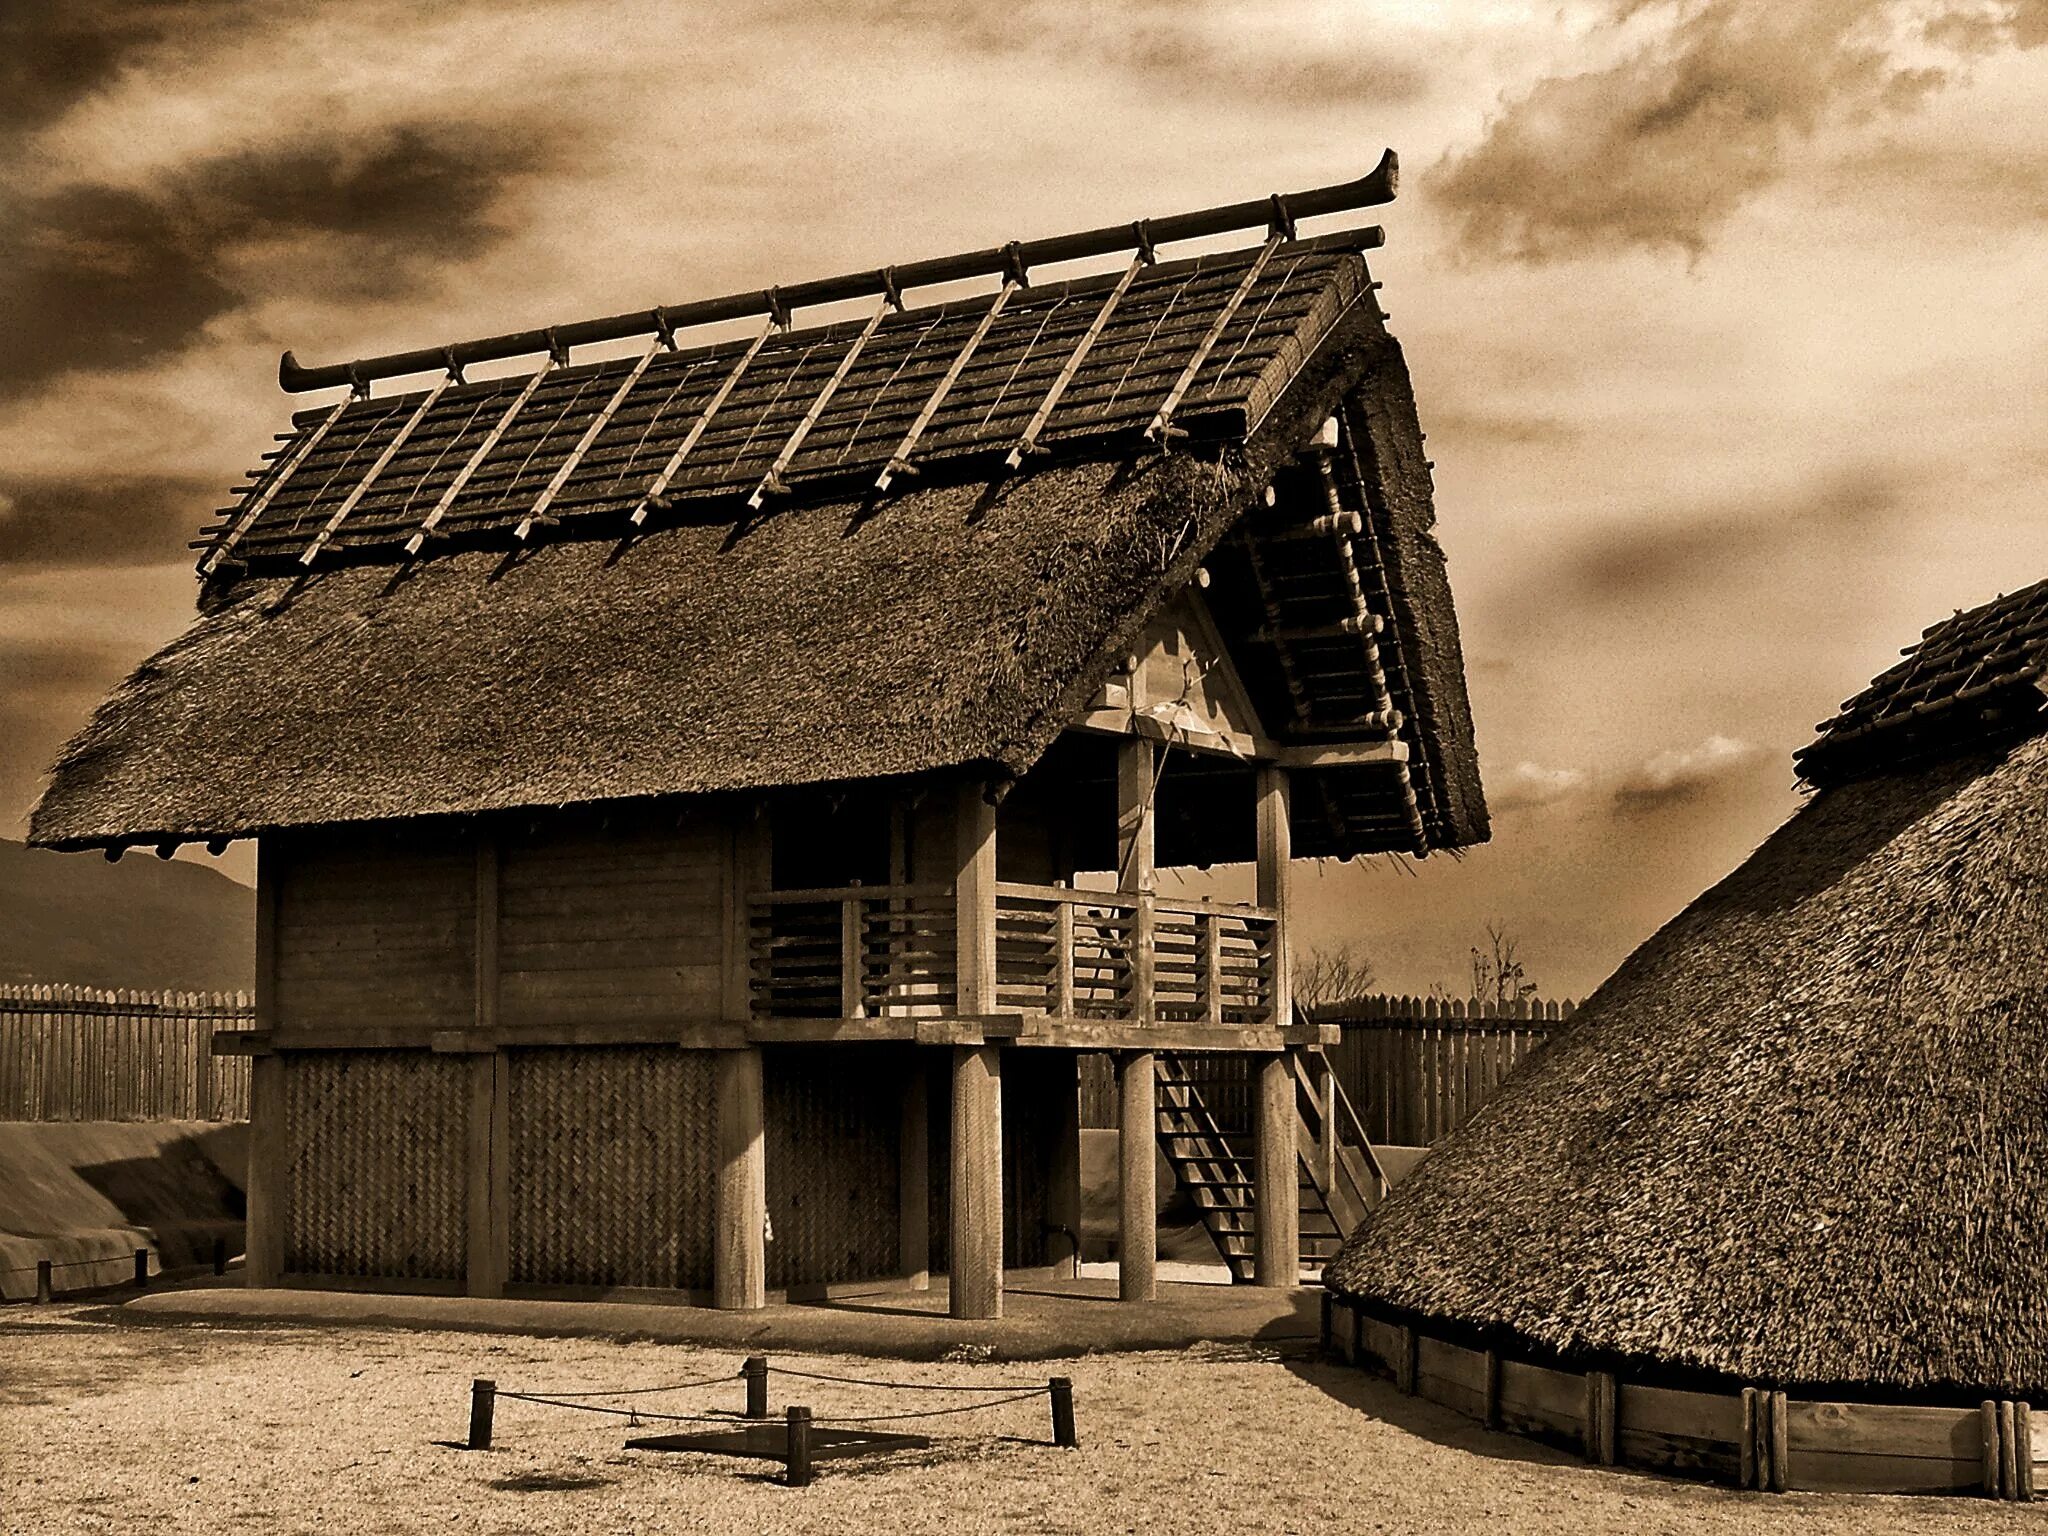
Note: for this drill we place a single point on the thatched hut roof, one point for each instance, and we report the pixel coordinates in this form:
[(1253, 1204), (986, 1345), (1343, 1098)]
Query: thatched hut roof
[(1801, 1135), (961, 620)]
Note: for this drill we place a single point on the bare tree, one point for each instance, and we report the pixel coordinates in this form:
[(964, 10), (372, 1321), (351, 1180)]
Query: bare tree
[(1498, 975), (1340, 974)]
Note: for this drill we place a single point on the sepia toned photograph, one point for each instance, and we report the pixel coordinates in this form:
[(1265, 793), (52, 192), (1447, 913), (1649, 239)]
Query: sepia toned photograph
[(1167, 766)]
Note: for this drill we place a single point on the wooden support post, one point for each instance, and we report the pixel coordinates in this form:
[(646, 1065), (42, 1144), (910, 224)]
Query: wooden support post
[(1137, 766), (914, 1179), (975, 1233), (1212, 967), (1063, 960), (1276, 1195), (1137, 1087), (1062, 1394), (483, 1402), (739, 1251), (1354, 1342), (797, 1460), (853, 993), (1275, 849), (1777, 1423), (755, 1370), (2023, 1449), (1492, 1414), (1599, 1434), (487, 1180), (264, 1189), (1407, 1369), (2008, 1452), (141, 1269), (44, 1291), (974, 901), (1987, 1423), (1753, 1439), (1063, 1194)]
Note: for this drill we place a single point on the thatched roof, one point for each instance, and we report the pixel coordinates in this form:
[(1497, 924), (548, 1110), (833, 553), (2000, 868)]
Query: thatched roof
[(1971, 678), (1800, 1136), (962, 620)]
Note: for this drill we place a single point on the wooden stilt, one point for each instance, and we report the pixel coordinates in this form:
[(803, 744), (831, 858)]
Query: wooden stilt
[(1276, 848), (1137, 1080), (914, 1187), (487, 1175), (264, 1207), (1063, 1198), (739, 1255), (974, 901), (976, 1230), (1275, 1200)]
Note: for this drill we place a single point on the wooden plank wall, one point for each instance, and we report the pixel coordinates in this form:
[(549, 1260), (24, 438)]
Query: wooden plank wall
[(1826, 1446), (84, 1053), (1416, 1069)]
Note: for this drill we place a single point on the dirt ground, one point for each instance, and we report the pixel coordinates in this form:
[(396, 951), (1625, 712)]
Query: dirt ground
[(108, 1423)]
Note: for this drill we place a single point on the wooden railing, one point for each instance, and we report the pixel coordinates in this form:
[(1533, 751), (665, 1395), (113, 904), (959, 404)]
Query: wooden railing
[(852, 952), (1334, 1148), (1132, 956)]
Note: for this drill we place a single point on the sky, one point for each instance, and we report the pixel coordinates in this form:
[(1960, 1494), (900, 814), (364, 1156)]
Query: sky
[(1726, 319)]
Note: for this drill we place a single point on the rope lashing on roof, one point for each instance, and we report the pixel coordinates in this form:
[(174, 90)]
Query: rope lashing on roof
[(433, 518), (1277, 213), (1161, 431), (362, 487), (1027, 441), (772, 482), (899, 461), (538, 512), (778, 319), (260, 495)]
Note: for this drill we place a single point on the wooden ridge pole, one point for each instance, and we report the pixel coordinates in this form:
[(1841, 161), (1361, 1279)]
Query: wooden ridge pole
[(1375, 188)]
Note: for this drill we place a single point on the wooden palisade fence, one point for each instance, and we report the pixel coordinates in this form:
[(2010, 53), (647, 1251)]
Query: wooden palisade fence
[(83, 1053), (1418, 1068)]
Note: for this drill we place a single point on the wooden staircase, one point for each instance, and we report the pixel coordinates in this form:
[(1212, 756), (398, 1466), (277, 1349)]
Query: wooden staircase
[(1213, 1152)]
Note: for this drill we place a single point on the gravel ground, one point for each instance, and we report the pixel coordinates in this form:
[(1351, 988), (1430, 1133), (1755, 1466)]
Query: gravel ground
[(111, 1425)]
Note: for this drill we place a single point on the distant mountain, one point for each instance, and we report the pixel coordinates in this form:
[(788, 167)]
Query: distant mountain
[(143, 923)]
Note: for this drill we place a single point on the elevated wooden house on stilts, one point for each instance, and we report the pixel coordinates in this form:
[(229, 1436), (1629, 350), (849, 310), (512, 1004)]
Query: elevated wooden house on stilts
[(677, 778)]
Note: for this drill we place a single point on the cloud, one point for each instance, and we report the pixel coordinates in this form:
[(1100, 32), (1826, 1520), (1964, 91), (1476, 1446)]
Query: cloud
[(1528, 785), (120, 520), (1682, 775), (54, 55), (1659, 148), (102, 277)]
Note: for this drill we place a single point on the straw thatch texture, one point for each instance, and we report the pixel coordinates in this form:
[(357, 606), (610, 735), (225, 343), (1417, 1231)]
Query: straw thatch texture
[(1801, 1136), (962, 625)]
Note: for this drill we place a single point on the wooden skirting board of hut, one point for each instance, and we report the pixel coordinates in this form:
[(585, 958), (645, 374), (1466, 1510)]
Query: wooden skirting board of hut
[(1747, 1437)]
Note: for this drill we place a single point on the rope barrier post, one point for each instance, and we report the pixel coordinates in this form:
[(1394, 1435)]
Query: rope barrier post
[(483, 1397), (220, 1255), (141, 1268), (42, 1282), (1063, 1412), (798, 1458), (755, 1369)]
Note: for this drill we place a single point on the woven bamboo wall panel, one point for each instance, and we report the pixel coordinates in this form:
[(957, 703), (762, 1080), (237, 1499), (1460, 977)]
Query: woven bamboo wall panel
[(612, 1162), (375, 1142), (833, 1121)]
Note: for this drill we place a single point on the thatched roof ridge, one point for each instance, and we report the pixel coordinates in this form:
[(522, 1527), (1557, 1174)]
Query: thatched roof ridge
[(1799, 1137), (1972, 678), (962, 625)]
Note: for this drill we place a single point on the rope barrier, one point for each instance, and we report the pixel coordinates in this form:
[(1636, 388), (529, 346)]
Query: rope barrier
[(636, 1414), (906, 1386), (929, 1413), (681, 1386)]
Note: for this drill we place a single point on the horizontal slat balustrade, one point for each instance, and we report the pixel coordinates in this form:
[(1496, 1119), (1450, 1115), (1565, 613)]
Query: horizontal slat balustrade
[(852, 952)]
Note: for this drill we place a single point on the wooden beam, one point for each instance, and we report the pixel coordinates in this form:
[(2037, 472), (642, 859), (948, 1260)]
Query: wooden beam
[(914, 1178), (975, 1233), (486, 1173), (538, 512), (264, 1207), (739, 1255), (361, 488), (900, 461), (1137, 1079), (771, 482), (262, 495), (1275, 1199), (658, 486), (974, 897), (1027, 442), (455, 487), (1063, 1197), (1276, 848), (1343, 754), (1161, 430)]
